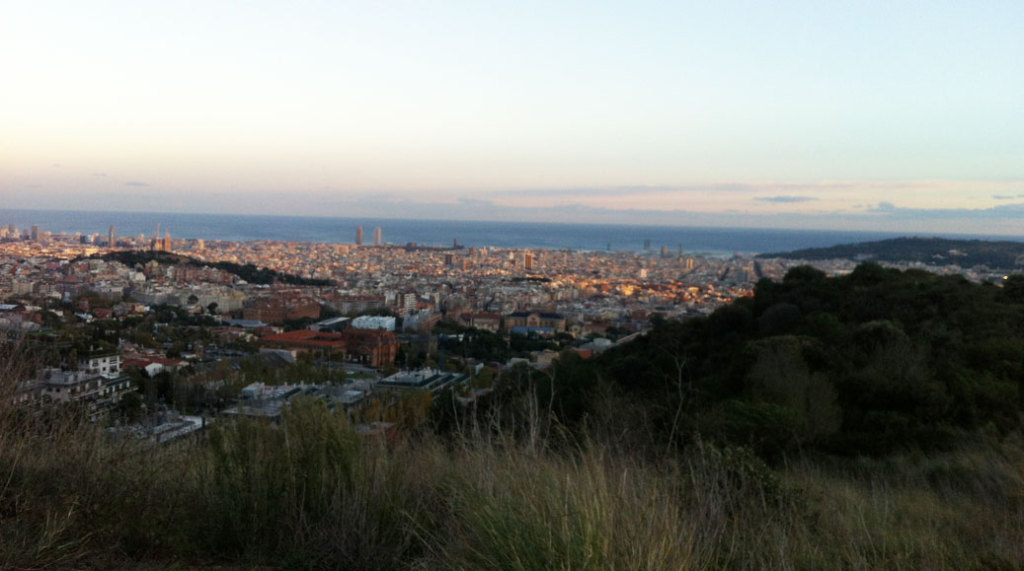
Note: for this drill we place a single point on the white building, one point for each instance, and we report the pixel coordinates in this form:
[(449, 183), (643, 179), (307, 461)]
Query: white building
[(384, 322), (101, 364), (100, 391)]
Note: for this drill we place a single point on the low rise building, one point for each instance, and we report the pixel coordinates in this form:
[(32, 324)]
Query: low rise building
[(432, 380), (375, 348), (384, 322), (99, 392), (534, 321)]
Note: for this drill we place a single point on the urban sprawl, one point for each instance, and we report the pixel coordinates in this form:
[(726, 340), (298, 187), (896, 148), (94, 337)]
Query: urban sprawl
[(169, 345)]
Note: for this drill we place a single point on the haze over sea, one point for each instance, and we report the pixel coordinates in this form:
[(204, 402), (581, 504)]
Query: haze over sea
[(699, 240)]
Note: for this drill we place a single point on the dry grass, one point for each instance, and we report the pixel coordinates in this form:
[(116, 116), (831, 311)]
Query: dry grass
[(307, 493), (508, 508)]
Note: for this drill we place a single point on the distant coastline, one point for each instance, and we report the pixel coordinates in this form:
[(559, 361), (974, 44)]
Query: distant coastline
[(936, 251), (243, 228)]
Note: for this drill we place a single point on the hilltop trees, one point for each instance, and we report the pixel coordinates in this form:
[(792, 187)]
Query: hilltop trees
[(874, 361)]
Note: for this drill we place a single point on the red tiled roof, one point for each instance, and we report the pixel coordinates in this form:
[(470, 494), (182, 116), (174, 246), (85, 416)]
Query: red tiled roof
[(308, 337)]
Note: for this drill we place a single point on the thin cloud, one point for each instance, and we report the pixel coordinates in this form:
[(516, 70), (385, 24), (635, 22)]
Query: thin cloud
[(785, 199), (625, 190), (468, 201), (136, 183), (1001, 212), (613, 191), (782, 187)]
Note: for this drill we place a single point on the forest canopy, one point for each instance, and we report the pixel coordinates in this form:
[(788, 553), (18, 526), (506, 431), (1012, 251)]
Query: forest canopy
[(876, 361)]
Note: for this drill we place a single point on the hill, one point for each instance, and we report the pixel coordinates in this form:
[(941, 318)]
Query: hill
[(248, 272), (936, 251), (877, 362), (870, 363)]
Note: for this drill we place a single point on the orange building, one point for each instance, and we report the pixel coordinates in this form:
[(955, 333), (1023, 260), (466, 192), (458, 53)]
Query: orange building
[(280, 307), (375, 348)]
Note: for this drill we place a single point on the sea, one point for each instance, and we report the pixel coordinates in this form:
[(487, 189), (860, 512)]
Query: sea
[(713, 241)]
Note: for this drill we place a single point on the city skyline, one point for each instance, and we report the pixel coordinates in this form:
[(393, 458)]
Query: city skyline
[(895, 116)]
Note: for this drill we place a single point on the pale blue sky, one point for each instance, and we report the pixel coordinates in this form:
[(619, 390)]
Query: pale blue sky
[(811, 114)]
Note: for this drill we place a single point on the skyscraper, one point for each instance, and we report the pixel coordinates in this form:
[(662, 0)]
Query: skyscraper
[(377, 235), (35, 233), (111, 237), (359, 235)]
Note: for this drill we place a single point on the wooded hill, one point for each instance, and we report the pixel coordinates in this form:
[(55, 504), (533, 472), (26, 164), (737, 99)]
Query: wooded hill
[(248, 272), (937, 251), (875, 362)]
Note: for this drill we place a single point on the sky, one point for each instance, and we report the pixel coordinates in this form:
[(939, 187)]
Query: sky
[(888, 115)]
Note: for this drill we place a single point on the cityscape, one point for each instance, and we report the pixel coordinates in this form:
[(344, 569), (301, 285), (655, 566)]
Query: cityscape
[(362, 302), (154, 340), (415, 286)]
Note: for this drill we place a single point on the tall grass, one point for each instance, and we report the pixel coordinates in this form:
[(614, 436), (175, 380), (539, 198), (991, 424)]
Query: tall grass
[(963, 509), (307, 493), (508, 508)]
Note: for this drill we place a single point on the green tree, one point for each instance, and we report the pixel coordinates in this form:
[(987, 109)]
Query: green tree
[(780, 374)]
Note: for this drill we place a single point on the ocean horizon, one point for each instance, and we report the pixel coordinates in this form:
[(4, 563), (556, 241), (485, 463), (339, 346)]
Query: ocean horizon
[(468, 233)]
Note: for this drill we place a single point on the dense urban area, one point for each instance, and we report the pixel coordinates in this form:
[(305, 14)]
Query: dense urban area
[(361, 312)]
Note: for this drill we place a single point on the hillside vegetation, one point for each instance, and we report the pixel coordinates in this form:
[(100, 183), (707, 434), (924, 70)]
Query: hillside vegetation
[(938, 251), (248, 272), (870, 422), (875, 362)]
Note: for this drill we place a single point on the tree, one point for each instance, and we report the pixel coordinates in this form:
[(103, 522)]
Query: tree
[(130, 406), (781, 375), (1013, 288), (803, 275)]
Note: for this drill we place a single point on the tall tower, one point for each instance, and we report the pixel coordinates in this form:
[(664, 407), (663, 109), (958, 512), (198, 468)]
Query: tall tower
[(167, 242), (111, 237), (35, 233), (359, 235), (377, 235), (528, 261)]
